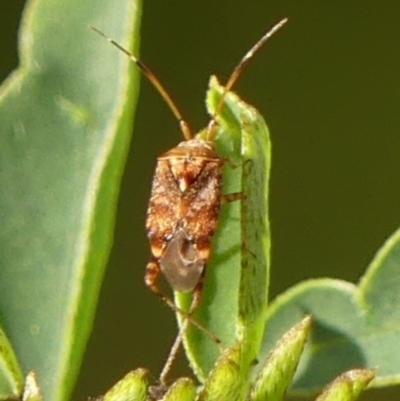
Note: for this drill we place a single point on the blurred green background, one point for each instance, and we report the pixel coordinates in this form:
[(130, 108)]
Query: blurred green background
[(329, 88)]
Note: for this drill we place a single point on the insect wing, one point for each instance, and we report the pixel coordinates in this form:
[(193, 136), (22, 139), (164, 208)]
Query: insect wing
[(181, 264), (202, 203), (163, 210)]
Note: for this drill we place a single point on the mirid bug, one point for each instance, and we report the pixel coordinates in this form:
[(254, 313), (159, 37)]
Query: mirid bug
[(185, 201)]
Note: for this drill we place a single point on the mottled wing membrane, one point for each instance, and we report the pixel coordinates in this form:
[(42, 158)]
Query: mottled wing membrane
[(180, 263)]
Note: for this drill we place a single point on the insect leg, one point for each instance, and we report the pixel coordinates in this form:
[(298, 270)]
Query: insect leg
[(150, 279), (234, 196), (197, 293)]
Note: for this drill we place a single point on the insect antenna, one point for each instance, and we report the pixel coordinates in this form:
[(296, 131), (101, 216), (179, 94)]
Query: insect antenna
[(155, 81), (211, 129), (212, 125)]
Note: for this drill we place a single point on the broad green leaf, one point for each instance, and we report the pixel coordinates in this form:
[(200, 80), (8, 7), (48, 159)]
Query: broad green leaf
[(65, 116), (353, 326), (276, 374), (11, 379), (234, 300), (348, 386)]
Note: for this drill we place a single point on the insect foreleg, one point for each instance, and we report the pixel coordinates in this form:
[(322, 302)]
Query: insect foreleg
[(234, 196)]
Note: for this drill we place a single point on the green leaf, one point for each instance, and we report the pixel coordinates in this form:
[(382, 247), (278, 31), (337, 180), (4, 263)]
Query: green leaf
[(234, 301), (353, 326), (11, 379), (226, 381), (182, 390), (276, 375), (348, 386), (132, 387), (65, 118)]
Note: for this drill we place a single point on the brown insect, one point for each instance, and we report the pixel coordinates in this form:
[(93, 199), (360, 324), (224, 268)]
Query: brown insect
[(185, 202)]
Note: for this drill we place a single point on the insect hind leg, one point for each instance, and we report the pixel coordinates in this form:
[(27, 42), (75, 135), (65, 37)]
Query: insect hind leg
[(151, 276), (197, 293)]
